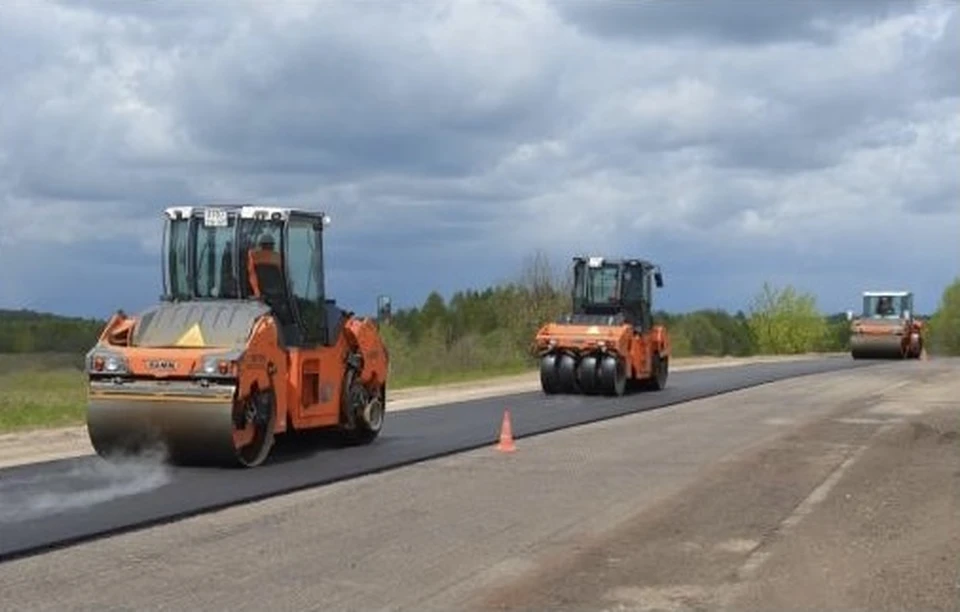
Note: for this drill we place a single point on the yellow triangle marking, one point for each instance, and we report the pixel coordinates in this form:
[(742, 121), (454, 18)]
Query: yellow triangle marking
[(193, 337)]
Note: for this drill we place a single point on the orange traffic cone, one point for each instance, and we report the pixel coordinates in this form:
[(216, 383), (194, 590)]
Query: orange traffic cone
[(506, 444)]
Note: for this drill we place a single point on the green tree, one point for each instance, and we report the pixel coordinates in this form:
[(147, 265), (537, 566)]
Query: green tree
[(786, 321), (944, 326), (838, 334)]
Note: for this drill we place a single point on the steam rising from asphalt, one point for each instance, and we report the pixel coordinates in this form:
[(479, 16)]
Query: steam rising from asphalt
[(83, 485)]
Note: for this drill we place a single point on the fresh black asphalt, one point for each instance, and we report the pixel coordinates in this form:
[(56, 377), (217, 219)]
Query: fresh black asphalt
[(408, 437)]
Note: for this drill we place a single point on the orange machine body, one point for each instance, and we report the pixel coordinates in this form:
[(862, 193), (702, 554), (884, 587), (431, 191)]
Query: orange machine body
[(609, 342), (636, 347), (217, 379)]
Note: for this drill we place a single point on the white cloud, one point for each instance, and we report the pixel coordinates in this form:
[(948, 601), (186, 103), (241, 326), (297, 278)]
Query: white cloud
[(745, 144)]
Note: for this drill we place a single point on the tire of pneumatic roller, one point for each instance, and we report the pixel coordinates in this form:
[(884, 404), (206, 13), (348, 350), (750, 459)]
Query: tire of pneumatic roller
[(613, 376), (567, 370), (588, 372), (549, 377)]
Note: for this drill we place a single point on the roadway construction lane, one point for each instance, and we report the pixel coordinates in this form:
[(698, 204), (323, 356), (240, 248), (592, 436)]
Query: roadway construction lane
[(663, 510), (61, 502)]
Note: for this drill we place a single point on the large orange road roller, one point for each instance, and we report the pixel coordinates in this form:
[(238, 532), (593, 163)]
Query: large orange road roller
[(886, 328), (243, 346), (608, 343)]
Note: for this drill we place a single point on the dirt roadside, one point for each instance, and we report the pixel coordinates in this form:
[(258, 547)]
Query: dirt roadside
[(860, 511), (58, 443)]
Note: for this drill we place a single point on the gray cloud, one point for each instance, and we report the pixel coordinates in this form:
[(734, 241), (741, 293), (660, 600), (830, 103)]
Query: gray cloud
[(733, 143), (739, 21)]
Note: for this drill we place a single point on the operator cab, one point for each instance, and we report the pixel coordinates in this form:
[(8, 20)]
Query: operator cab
[(274, 255), (887, 304), (614, 291)]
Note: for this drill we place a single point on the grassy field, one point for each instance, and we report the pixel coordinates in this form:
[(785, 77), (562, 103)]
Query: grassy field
[(41, 391), (47, 390)]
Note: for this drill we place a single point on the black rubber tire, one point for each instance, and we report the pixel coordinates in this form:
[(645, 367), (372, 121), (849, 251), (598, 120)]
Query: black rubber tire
[(253, 457), (362, 432), (370, 431), (660, 371), (567, 370), (549, 377), (589, 375), (613, 376)]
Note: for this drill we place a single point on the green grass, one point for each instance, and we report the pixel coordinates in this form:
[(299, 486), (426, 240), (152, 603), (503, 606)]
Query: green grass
[(41, 399)]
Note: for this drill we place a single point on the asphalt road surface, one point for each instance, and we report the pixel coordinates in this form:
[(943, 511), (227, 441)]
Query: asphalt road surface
[(836, 491), (62, 502)]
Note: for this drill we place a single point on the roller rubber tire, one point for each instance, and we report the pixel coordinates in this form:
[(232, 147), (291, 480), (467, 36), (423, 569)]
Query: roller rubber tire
[(589, 375), (369, 412), (549, 376), (567, 370), (613, 376), (660, 370)]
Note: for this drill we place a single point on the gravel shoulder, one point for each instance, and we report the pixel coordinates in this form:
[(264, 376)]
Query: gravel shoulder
[(860, 511), (63, 442), (689, 507)]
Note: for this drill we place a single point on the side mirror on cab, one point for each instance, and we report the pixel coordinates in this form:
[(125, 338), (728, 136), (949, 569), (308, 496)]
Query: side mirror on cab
[(658, 279)]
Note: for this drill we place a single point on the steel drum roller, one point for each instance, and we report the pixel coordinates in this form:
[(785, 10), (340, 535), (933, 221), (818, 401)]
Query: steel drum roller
[(190, 423), (876, 346)]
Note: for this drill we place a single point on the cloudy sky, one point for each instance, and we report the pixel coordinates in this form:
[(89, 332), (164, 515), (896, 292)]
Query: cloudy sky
[(809, 142)]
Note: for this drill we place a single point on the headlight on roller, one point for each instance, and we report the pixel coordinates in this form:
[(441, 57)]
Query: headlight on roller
[(215, 366), (105, 362), (219, 366)]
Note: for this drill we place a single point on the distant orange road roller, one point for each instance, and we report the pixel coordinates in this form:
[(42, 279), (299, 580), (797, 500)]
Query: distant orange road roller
[(608, 344), (886, 327), (244, 345)]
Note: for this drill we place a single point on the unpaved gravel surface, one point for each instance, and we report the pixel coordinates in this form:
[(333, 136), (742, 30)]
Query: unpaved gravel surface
[(59, 443), (860, 511), (836, 491)]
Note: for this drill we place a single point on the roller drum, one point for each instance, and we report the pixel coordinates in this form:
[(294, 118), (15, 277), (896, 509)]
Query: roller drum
[(190, 425), (863, 346)]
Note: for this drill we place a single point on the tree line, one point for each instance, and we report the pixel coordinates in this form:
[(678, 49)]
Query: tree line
[(490, 331)]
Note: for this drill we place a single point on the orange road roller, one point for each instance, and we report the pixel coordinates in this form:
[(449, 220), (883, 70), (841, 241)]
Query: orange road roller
[(886, 328), (244, 345), (608, 343)]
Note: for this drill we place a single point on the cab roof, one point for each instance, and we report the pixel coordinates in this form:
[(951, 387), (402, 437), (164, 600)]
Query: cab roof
[(599, 260), (887, 293), (246, 211)]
